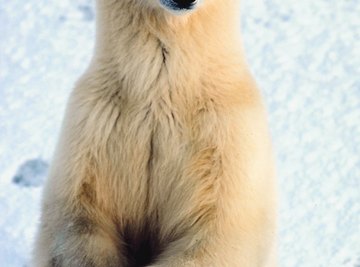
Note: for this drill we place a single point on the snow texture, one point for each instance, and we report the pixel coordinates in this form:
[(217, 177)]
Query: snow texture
[(305, 56)]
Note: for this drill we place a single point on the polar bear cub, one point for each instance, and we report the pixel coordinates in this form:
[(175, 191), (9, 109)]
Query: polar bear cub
[(164, 157)]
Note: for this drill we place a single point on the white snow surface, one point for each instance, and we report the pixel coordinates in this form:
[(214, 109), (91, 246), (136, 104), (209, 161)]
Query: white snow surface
[(305, 56)]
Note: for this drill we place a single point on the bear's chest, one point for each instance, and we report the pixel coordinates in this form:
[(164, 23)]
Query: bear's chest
[(137, 143), (141, 151)]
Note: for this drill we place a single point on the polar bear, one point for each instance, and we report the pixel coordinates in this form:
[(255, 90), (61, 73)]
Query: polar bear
[(164, 157)]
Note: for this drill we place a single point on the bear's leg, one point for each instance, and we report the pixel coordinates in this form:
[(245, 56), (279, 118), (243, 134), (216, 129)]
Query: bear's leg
[(249, 252), (237, 229), (78, 240), (225, 220)]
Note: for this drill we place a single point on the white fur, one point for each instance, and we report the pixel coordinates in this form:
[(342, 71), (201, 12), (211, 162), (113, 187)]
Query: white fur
[(165, 139)]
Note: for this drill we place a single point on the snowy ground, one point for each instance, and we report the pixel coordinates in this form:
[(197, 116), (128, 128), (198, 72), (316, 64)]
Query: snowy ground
[(306, 57)]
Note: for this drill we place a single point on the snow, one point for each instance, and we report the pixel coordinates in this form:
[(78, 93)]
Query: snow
[(305, 56)]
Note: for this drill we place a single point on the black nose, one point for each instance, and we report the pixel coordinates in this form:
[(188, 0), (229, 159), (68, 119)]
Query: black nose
[(184, 4)]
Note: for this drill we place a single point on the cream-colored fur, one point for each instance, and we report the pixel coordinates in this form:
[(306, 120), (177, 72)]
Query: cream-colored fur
[(164, 157)]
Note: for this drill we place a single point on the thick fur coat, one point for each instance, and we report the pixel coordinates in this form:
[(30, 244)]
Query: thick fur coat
[(164, 157)]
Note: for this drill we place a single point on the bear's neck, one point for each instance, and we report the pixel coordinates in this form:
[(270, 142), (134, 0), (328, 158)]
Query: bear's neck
[(143, 42), (130, 20)]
